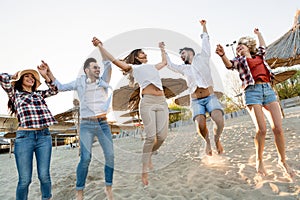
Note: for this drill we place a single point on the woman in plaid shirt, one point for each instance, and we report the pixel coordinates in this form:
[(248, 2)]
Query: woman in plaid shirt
[(32, 136), (259, 95)]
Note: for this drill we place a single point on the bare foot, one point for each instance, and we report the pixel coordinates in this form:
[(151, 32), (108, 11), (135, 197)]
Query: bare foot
[(79, 194), (108, 192), (260, 168), (219, 147), (145, 178), (286, 168)]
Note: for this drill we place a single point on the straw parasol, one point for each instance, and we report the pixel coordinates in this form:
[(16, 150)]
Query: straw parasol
[(8, 124), (283, 76), (131, 113), (133, 120), (185, 100), (286, 50), (128, 98), (67, 115)]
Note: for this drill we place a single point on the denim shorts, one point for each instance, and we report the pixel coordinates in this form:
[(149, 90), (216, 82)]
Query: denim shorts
[(261, 94), (203, 105)]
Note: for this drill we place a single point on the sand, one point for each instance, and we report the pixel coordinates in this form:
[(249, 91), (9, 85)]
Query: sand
[(182, 170)]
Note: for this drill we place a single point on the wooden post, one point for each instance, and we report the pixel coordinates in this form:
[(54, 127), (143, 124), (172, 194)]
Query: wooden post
[(56, 141), (10, 147)]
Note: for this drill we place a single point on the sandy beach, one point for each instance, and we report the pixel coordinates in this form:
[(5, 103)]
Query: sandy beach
[(182, 171)]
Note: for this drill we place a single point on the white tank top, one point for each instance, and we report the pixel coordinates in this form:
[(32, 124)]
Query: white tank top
[(146, 74)]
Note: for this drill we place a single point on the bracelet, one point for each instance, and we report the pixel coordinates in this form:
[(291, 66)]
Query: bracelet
[(222, 55)]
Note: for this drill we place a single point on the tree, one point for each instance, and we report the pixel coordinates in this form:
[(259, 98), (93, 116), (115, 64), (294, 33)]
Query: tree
[(289, 88), (233, 99), (184, 114)]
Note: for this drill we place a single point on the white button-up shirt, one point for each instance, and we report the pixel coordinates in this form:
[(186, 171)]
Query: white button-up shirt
[(198, 74)]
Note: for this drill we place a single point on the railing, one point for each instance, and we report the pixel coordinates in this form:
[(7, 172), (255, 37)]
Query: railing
[(291, 102)]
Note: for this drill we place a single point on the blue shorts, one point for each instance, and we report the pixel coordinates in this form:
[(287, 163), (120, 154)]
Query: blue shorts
[(203, 105), (261, 94)]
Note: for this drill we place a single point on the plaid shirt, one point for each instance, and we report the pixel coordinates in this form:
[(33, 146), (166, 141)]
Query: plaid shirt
[(31, 108), (241, 65)]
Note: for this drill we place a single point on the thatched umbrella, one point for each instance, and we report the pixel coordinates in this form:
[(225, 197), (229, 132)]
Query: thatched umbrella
[(131, 113), (283, 76), (133, 120), (286, 50), (128, 98)]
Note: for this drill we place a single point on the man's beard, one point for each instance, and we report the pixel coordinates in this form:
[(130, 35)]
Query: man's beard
[(187, 60)]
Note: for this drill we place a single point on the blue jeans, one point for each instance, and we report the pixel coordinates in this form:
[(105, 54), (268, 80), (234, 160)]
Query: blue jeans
[(206, 104), (27, 143), (88, 130), (261, 94)]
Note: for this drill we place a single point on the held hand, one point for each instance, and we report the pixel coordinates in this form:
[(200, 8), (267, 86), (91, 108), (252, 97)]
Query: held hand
[(96, 42), (161, 45), (43, 70), (220, 50), (256, 31), (202, 22)]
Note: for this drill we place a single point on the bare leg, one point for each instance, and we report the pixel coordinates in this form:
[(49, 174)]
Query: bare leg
[(203, 131), (217, 117), (79, 194), (109, 193), (258, 119), (145, 174), (273, 114)]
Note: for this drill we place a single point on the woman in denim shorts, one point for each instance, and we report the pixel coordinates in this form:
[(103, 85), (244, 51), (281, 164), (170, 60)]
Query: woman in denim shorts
[(260, 98), (32, 136)]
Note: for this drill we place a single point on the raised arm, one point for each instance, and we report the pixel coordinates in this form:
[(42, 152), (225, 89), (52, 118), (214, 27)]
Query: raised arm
[(220, 51), (163, 62), (6, 84), (260, 38), (43, 70), (206, 50), (203, 23), (124, 66), (61, 87)]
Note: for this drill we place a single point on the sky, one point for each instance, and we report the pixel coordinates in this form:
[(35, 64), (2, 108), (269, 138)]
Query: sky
[(60, 32)]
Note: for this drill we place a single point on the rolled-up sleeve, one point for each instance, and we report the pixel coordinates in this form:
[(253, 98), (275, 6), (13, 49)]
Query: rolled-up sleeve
[(174, 67), (106, 76), (65, 87), (5, 81), (206, 50)]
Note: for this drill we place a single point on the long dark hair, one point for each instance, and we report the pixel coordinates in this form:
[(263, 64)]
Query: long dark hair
[(18, 86), (131, 59)]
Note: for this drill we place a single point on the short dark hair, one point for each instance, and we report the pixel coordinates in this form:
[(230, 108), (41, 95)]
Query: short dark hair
[(187, 49), (87, 62)]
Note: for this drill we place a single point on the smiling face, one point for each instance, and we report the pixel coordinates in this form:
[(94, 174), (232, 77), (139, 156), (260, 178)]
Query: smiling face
[(93, 71), (186, 56), (28, 81), (142, 57), (241, 49)]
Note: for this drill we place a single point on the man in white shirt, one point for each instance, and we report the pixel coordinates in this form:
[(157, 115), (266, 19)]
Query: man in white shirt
[(196, 70)]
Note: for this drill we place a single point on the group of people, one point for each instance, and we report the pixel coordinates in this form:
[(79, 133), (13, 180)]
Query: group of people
[(33, 136)]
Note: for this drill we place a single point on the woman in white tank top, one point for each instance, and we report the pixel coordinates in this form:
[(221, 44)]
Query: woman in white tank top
[(153, 106)]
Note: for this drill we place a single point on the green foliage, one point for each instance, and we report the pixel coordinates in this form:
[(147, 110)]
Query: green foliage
[(184, 114), (289, 88), (231, 105)]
